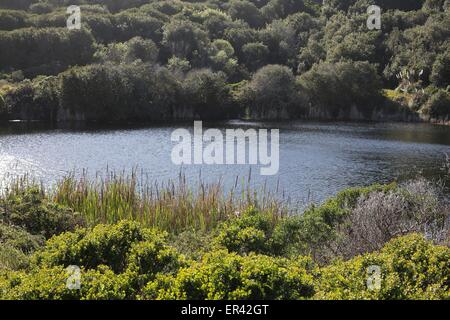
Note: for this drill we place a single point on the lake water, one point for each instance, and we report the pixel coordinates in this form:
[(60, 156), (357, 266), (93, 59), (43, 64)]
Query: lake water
[(316, 159)]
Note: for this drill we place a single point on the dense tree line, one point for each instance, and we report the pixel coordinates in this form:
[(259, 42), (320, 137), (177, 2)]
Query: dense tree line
[(156, 60)]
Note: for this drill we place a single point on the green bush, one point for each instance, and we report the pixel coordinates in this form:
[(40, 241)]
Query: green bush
[(50, 283), (308, 233), (137, 91), (116, 262), (411, 268), (19, 238), (227, 276), (16, 246), (192, 243), (107, 245), (440, 75), (319, 225), (31, 211), (438, 105), (251, 232), (12, 258), (341, 66), (129, 251), (128, 52), (262, 233)]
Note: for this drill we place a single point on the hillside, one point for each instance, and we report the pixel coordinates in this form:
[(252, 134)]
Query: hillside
[(146, 60)]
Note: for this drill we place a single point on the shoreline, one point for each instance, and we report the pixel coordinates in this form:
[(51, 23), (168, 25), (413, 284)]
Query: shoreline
[(417, 120)]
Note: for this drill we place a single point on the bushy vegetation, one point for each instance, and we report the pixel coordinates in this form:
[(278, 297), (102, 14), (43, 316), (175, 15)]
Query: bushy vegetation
[(30, 210), (146, 60), (411, 268), (254, 253)]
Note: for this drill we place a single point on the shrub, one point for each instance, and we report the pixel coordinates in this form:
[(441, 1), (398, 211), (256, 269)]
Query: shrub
[(133, 23), (16, 246), (226, 276), (317, 231), (43, 284), (31, 210), (121, 246), (251, 232), (184, 39), (378, 217), (192, 243), (115, 262), (319, 226), (41, 8), (3, 109), (18, 238), (255, 55), (12, 258), (438, 105), (411, 268), (246, 11), (50, 283), (137, 91)]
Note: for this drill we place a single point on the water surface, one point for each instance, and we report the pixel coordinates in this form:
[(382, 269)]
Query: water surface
[(316, 159)]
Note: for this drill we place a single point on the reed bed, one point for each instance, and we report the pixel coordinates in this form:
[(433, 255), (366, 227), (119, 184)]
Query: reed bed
[(175, 205)]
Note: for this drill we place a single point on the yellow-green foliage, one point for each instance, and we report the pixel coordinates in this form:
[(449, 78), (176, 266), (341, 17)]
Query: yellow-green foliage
[(411, 268), (253, 255), (405, 100), (125, 245), (5, 87), (125, 261), (116, 261), (263, 233), (251, 232), (50, 283), (223, 275), (396, 95)]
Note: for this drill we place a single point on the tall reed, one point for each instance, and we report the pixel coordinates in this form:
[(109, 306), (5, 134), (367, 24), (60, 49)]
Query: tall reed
[(173, 206)]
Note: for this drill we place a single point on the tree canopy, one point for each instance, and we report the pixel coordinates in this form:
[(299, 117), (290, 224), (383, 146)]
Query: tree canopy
[(333, 60)]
